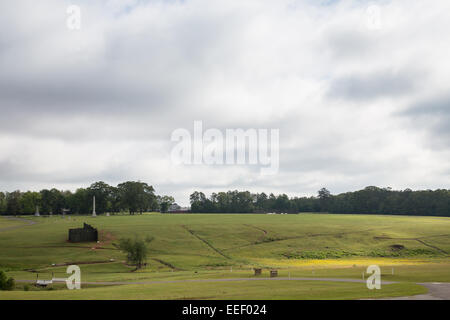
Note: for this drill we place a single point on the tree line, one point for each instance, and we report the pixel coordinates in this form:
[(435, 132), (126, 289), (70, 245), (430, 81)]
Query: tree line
[(138, 197), (131, 196), (370, 200)]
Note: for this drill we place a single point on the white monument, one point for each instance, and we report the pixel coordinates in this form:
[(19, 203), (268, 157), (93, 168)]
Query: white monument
[(93, 208), (36, 214)]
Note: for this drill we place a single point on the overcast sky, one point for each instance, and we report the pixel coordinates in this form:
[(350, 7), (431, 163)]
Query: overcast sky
[(360, 94)]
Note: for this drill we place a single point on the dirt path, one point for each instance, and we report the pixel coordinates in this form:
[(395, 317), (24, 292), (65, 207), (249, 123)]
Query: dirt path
[(112, 283), (436, 291), (167, 264), (28, 223), (205, 242), (257, 228)]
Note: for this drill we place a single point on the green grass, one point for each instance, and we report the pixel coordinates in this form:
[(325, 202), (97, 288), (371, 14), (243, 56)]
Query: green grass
[(268, 290), (207, 246)]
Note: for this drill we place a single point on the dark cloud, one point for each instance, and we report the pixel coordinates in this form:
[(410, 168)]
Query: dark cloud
[(380, 84), (432, 116), (350, 44)]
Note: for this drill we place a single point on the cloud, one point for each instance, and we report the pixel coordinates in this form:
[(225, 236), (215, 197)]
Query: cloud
[(101, 103), (432, 116), (382, 84)]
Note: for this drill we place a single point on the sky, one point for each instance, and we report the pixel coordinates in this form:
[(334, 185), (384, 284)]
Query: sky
[(358, 90)]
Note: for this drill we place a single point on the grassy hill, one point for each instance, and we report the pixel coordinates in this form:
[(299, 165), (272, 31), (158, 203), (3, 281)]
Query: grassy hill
[(211, 246)]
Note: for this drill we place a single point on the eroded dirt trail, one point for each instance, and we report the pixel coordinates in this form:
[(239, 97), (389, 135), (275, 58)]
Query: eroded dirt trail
[(27, 223)]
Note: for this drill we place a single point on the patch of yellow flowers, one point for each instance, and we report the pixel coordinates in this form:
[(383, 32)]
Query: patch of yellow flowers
[(339, 262)]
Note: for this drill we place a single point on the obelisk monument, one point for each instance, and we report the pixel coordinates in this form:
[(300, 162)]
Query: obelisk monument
[(93, 208)]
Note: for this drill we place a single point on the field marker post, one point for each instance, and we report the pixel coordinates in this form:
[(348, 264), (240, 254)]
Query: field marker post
[(363, 276)]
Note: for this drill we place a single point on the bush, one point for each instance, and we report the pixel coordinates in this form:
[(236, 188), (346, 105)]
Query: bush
[(5, 283), (136, 250), (26, 287)]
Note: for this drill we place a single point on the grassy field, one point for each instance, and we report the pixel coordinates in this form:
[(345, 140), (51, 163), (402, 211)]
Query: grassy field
[(189, 247)]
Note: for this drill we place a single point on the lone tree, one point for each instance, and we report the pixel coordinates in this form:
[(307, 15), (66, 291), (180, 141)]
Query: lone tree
[(136, 250)]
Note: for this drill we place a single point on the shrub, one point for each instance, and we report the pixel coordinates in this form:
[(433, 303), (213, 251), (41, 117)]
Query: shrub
[(5, 283), (136, 250)]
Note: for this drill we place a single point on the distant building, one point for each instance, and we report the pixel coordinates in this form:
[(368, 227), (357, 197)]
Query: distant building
[(85, 234), (175, 208)]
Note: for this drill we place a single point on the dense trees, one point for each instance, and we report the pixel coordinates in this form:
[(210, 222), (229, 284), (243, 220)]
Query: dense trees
[(13, 203), (138, 197), (3, 203), (132, 196), (386, 201), (371, 200)]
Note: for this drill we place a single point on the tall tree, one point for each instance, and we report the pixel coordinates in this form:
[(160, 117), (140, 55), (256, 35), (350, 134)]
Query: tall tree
[(2, 203), (324, 199), (29, 201), (13, 203), (137, 196), (165, 202), (102, 193)]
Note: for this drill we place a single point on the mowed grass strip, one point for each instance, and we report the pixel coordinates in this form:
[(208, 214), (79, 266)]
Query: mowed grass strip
[(234, 290)]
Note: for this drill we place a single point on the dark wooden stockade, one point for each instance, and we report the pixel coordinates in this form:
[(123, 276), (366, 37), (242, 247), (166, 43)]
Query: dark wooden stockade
[(85, 234)]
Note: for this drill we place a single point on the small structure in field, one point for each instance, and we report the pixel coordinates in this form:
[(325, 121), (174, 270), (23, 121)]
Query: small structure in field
[(273, 273), (258, 271), (85, 234), (43, 283)]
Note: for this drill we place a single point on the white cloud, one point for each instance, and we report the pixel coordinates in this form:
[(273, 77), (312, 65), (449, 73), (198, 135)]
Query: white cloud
[(100, 103)]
